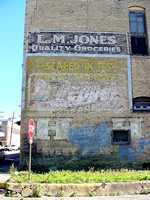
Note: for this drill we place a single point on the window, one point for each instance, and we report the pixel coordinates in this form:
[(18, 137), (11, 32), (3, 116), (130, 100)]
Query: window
[(138, 31), (141, 104), (120, 136), (1, 129)]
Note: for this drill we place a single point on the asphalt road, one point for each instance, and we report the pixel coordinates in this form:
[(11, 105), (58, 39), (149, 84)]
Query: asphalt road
[(7, 163)]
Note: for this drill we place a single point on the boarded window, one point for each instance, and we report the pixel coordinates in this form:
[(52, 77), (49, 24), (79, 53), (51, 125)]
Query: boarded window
[(120, 136), (138, 32)]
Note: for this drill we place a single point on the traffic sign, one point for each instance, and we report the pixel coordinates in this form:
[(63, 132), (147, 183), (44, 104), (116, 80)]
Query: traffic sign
[(31, 129)]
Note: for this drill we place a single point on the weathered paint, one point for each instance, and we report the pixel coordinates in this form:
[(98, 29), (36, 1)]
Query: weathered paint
[(72, 84), (65, 93), (74, 43), (91, 139), (76, 65), (54, 128), (129, 153)]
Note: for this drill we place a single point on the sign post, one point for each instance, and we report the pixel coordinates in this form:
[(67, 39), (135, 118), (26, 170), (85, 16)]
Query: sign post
[(31, 130)]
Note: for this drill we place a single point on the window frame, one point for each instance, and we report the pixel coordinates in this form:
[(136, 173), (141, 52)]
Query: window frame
[(128, 131), (137, 23), (137, 37)]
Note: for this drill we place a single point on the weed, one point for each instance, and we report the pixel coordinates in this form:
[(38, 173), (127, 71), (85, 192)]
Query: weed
[(38, 191), (73, 194), (12, 169), (145, 191), (60, 194), (103, 176), (8, 193), (115, 194), (92, 193)]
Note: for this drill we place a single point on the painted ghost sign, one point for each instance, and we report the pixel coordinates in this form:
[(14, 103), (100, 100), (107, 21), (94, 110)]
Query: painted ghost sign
[(48, 95), (71, 85), (77, 43)]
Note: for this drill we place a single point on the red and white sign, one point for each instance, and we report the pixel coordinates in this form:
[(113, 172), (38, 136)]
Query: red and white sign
[(31, 130)]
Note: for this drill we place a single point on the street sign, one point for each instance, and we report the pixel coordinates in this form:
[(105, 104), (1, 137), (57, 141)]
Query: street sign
[(31, 130)]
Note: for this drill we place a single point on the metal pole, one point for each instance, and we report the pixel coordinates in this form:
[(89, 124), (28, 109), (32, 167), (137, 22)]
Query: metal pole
[(12, 123), (30, 152)]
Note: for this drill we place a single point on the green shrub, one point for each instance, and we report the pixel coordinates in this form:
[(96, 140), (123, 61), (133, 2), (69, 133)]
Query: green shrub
[(101, 176)]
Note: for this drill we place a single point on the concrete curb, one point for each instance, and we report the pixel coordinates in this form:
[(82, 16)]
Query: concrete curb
[(126, 197), (79, 190), (3, 180)]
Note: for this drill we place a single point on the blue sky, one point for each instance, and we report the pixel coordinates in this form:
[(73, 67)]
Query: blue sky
[(11, 54)]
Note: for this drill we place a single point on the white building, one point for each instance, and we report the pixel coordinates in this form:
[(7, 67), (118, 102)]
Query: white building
[(9, 133)]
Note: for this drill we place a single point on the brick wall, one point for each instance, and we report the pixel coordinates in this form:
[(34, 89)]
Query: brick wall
[(77, 102)]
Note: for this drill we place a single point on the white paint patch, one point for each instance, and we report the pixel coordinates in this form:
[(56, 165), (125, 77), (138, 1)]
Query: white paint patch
[(53, 128), (42, 129), (49, 95)]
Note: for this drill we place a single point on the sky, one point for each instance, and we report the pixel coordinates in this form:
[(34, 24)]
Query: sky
[(11, 55)]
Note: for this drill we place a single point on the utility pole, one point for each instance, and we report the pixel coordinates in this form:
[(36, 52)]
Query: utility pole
[(12, 124)]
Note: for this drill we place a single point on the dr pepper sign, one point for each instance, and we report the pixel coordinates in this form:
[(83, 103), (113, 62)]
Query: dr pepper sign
[(31, 130)]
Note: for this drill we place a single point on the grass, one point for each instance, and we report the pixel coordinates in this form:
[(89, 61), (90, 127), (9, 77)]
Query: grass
[(102, 176)]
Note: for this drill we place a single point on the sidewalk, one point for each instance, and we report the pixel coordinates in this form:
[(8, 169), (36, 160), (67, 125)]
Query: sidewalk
[(4, 178), (128, 197)]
